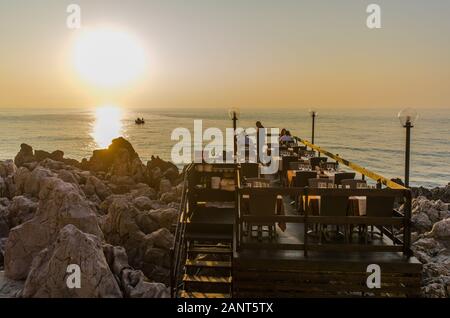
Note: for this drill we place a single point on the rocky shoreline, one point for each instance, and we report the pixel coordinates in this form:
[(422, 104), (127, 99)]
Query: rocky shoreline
[(112, 215)]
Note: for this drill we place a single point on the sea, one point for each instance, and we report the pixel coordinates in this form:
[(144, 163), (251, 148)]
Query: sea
[(372, 138)]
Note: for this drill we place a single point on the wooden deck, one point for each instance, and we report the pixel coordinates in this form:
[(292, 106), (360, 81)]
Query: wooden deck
[(279, 268)]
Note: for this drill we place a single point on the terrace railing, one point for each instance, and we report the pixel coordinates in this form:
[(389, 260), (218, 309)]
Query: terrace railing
[(397, 219)]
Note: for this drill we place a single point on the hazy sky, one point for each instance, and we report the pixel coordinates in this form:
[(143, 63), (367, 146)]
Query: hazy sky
[(245, 53)]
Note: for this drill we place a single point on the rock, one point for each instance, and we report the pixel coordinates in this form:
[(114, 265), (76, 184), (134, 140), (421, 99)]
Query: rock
[(136, 287), (421, 222), (10, 288), (169, 197), (144, 190), (48, 274), (33, 183), (4, 223), (21, 210), (103, 159), (7, 168), (40, 155), (442, 194), (25, 155), (3, 241), (161, 238), (165, 186), (57, 155), (146, 223), (143, 203), (60, 204), (68, 176), (165, 217), (441, 230), (98, 187), (20, 179)]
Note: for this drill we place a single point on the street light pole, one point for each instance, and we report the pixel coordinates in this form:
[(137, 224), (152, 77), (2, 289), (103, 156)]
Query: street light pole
[(407, 118), (408, 127), (313, 114), (234, 130)]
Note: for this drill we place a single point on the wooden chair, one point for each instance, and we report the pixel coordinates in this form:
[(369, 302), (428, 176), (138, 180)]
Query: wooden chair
[(338, 177), (262, 204), (258, 182), (285, 165), (249, 170), (329, 165), (334, 206), (320, 183), (301, 181), (380, 207), (353, 183)]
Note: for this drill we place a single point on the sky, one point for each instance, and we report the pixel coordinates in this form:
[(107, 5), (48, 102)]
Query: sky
[(251, 54)]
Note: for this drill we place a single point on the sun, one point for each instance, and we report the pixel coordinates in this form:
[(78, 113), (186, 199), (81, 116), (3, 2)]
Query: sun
[(108, 57)]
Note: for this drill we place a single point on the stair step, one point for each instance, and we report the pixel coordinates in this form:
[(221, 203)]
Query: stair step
[(207, 279), (215, 237), (208, 264), (185, 294), (210, 250)]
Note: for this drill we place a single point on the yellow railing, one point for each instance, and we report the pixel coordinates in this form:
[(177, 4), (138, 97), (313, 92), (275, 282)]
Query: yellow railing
[(372, 175)]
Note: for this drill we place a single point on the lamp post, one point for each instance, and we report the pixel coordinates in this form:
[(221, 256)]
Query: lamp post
[(407, 117), (233, 113), (313, 114)]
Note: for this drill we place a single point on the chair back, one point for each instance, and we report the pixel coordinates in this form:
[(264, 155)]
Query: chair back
[(258, 182), (287, 160), (302, 177), (262, 204), (338, 177), (306, 153), (354, 184), (249, 170), (332, 205), (329, 165), (320, 183), (380, 206), (316, 161)]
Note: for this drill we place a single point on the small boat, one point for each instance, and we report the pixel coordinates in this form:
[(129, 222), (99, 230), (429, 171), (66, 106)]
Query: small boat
[(140, 121)]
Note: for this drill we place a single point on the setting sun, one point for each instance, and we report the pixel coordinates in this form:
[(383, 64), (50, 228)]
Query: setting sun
[(108, 57)]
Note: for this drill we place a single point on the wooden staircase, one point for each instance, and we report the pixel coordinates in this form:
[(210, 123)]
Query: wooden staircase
[(208, 270)]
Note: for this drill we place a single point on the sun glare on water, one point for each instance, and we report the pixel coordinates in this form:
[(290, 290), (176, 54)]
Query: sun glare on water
[(106, 57), (107, 126)]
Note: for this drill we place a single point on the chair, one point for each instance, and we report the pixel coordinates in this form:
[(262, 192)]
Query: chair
[(262, 204), (258, 182), (307, 153), (335, 206), (249, 170), (320, 183), (285, 165), (338, 177), (300, 181), (316, 161), (329, 165), (298, 165), (380, 207), (354, 184), (297, 149)]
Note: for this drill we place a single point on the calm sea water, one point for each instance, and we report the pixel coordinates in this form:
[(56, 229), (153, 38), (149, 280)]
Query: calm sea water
[(371, 138)]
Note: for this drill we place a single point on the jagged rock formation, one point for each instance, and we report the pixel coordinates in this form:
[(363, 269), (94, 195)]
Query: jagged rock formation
[(112, 213)]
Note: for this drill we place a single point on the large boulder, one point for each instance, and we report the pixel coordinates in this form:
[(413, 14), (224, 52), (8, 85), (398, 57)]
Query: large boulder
[(21, 210), (441, 230), (103, 159), (48, 275), (60, 204), (133, 282), (25, 155)]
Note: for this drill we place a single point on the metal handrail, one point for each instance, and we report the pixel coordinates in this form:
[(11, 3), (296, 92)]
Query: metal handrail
[(176, 251), (370, 174)]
